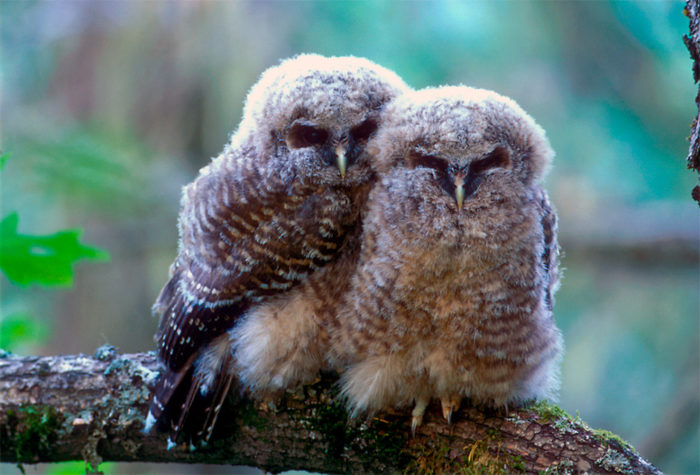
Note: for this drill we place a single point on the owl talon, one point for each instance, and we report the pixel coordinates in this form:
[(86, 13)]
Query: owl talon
[(415, 422), (449, 407), (447, 412), (417, 414)]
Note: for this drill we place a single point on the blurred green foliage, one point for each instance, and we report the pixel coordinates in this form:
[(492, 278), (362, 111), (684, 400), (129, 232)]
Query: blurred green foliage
[(29, 259), (47, 260), (78, 468), (18, 329), (88, 167)]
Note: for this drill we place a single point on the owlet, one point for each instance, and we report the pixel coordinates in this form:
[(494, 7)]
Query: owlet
[(452, 296), (279, 204)]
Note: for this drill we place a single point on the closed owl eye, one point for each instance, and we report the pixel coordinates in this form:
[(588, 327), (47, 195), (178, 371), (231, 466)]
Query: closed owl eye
[(364, 130), (430, 161), (498, 158), (306, 135), (441, 167)]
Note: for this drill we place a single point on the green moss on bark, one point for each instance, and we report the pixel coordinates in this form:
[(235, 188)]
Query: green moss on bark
[(32, 430)]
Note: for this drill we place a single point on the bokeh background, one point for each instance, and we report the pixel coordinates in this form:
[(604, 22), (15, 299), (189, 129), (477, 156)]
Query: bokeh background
[(110, 107)]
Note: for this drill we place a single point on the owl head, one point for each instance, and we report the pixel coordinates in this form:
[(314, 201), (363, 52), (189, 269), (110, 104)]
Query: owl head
[(464, 143), (460, 162), (319, 112)]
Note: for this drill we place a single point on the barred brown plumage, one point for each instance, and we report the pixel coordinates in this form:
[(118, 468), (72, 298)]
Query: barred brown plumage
[(277, 206), (451, 296)]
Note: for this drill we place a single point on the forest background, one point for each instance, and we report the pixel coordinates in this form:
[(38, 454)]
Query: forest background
[(109, 108)]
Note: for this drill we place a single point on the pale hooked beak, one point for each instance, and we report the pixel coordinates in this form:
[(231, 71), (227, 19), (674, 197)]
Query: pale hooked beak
[(340, 150), (459, 189)]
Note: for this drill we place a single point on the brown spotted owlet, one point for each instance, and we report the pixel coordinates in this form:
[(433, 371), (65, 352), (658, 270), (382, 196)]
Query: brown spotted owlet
[(452, 293), (278, 205)]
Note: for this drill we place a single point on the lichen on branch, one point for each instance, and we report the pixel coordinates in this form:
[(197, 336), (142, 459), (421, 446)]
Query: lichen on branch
[(92, 408)]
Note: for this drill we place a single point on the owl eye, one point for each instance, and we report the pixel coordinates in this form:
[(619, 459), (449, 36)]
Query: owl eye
[(306, 135), (498, 158), (430, 161), (364, 130)]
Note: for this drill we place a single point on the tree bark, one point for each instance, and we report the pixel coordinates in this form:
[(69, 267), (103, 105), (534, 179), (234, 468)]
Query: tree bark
[(80, 407), (692, 41)]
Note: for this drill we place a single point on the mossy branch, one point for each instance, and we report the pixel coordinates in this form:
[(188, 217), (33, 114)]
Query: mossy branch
[(89, 408)]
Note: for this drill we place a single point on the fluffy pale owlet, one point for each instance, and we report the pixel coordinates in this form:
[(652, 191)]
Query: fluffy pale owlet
[(280, 203), (452, 296)]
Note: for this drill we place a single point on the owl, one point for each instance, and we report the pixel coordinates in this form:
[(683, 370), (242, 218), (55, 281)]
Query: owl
[(279, 204), (452, 293)]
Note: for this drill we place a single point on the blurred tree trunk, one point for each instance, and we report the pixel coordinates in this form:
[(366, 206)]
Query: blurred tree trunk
[(92, 408), (692, 41)]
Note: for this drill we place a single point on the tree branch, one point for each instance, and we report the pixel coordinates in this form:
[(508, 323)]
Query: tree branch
[(692, 41), (92, 408)]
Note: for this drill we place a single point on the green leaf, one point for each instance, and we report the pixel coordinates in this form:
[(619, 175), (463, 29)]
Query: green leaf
[(17, 329), (77, 468), (3, 159), (45, 260)]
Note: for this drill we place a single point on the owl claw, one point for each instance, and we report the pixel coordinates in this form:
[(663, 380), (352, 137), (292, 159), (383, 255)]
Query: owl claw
[(415, 422), (449, 407), (417, 414), (447, 412)]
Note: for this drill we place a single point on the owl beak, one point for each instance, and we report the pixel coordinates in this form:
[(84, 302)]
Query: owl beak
[(342, 160), (459, 190)]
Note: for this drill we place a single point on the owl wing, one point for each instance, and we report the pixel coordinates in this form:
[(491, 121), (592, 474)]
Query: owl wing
[(550, 253), (246, 234)]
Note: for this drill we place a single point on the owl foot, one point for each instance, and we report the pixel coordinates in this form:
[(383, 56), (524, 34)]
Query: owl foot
[(450, 405), (417, 414)]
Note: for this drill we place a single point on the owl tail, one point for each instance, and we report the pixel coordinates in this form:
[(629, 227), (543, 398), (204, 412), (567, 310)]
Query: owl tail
[(204, 408), (183, 405), (168, 397)]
